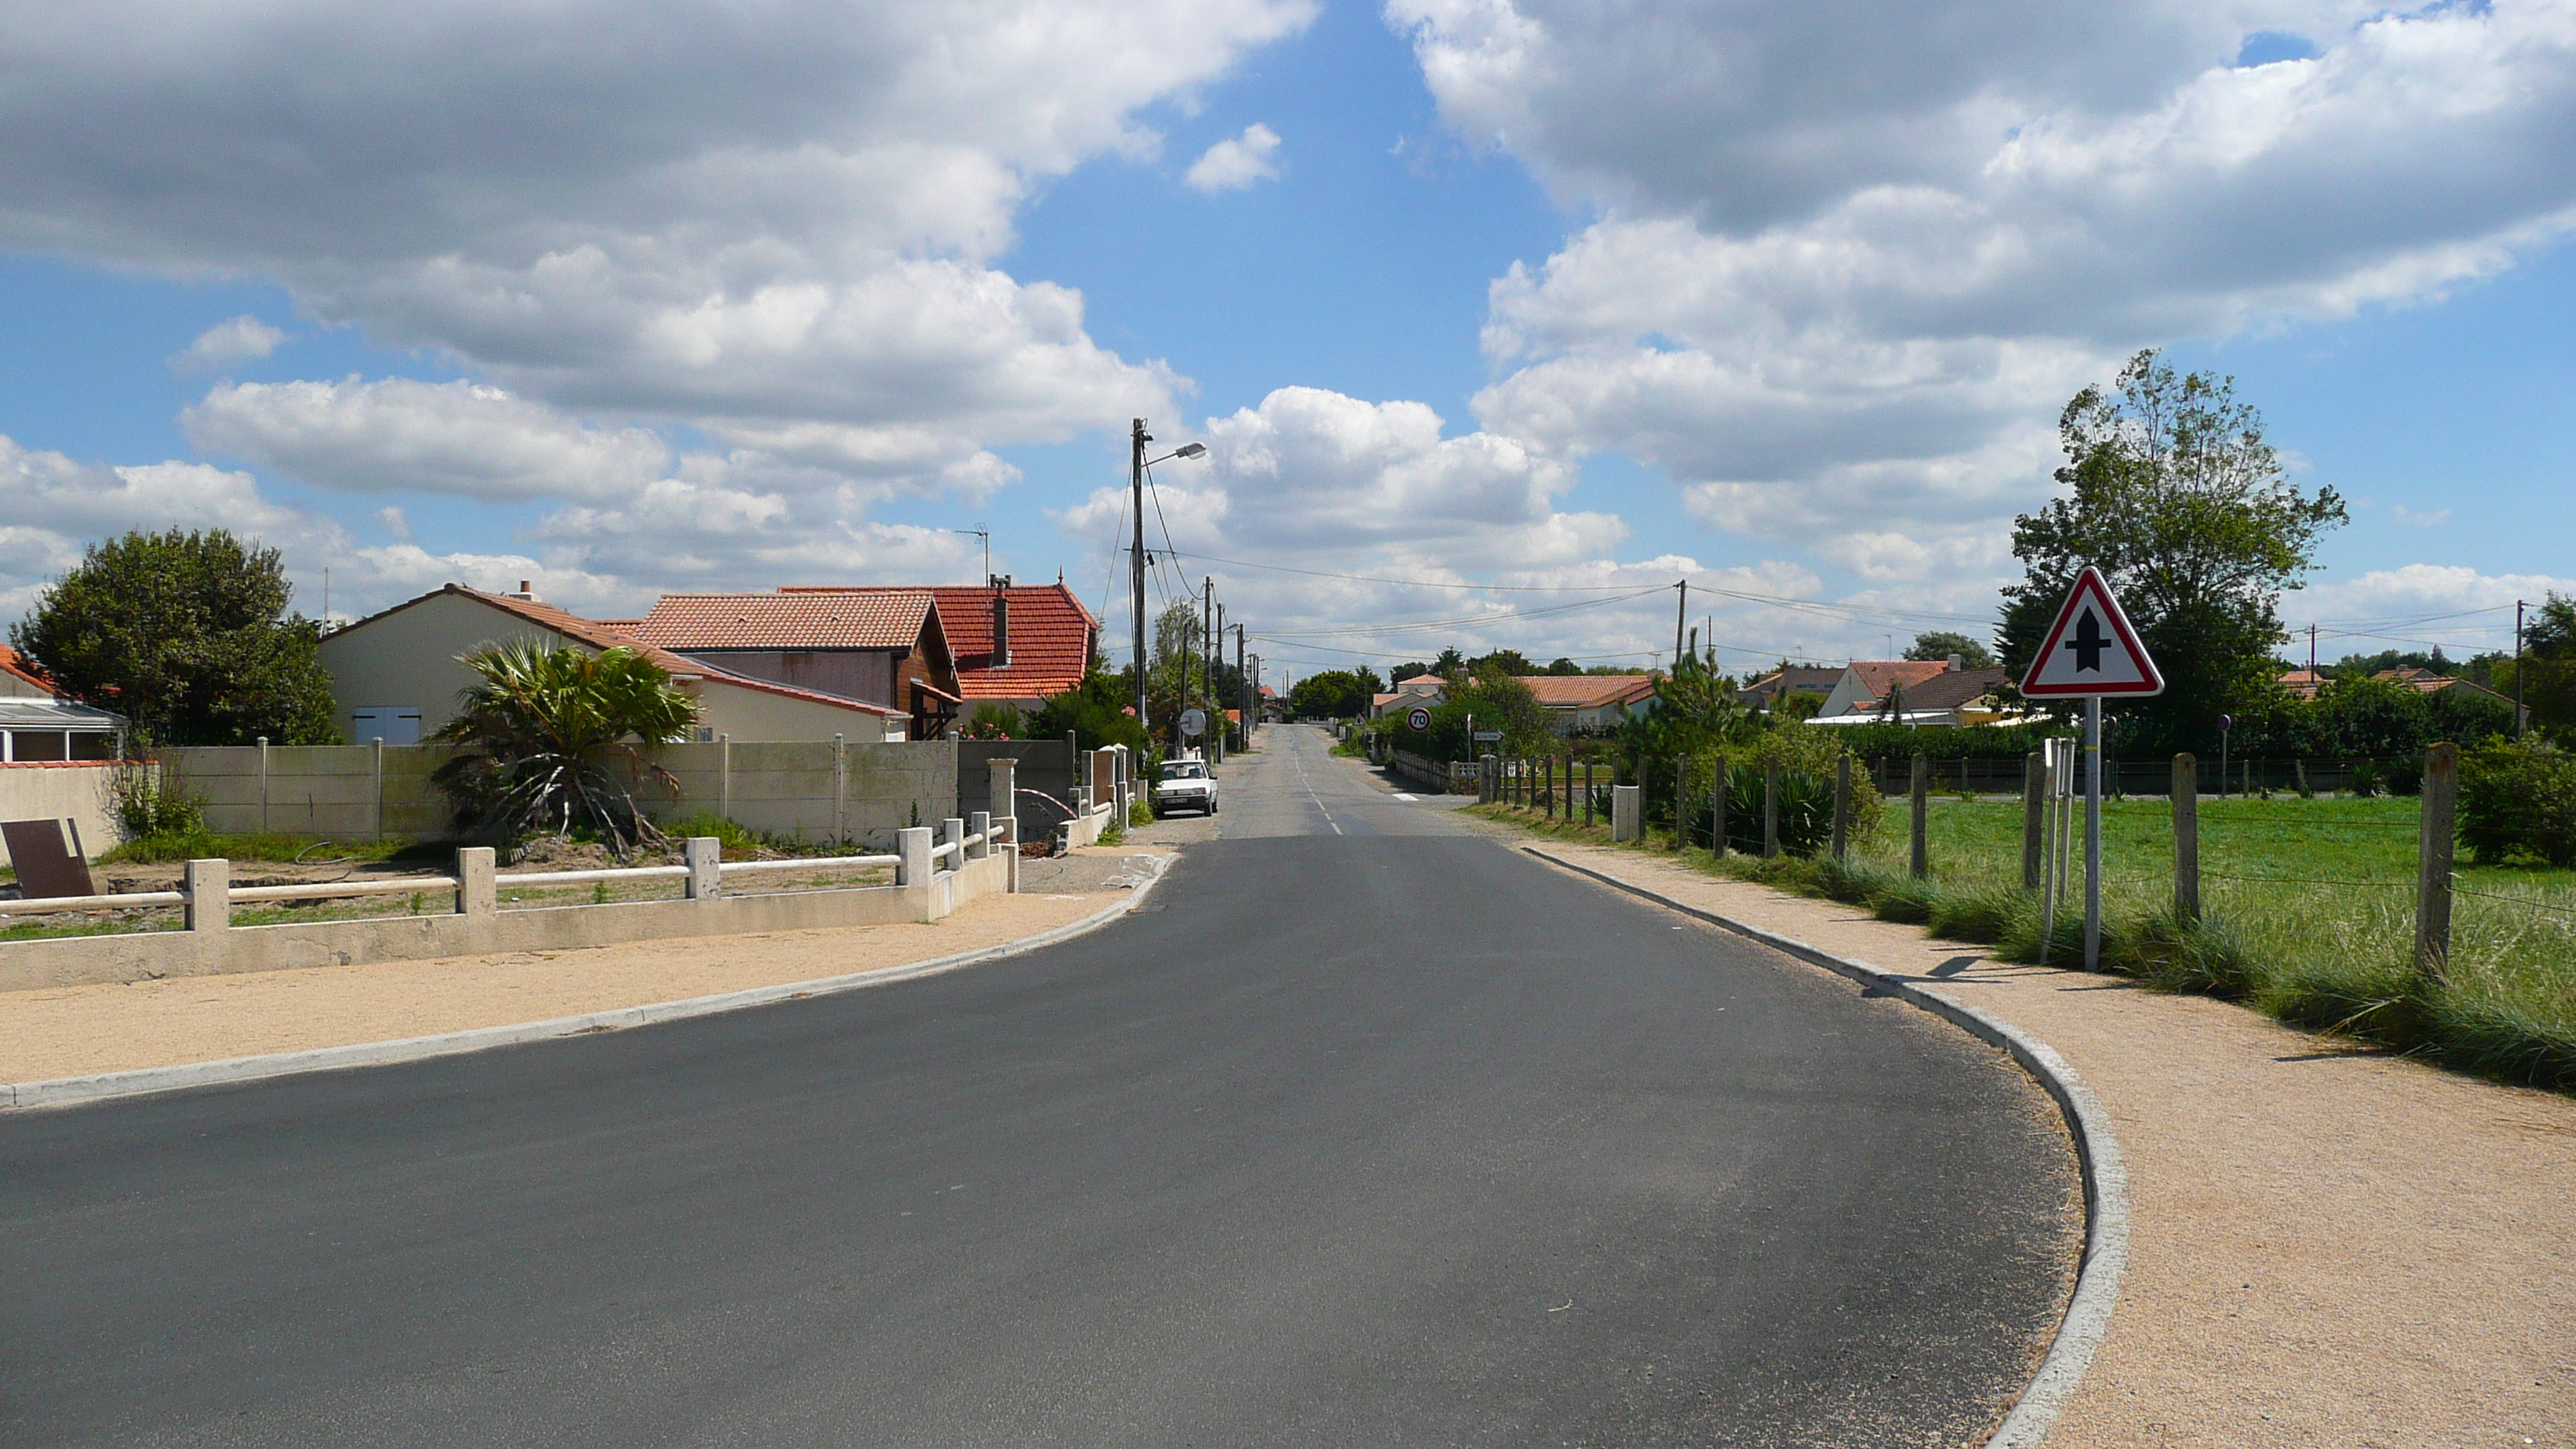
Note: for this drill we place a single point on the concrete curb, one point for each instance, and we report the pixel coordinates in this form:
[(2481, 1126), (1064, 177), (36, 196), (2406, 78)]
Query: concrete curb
[(2106, 1180), (72, 1091)]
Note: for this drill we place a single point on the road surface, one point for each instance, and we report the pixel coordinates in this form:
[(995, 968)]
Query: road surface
[(1366, 1131)]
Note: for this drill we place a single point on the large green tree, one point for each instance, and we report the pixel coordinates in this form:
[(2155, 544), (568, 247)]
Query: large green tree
[(1334, 694), (188, 635), (2547, 669), (1940, 644), (2174, 493)]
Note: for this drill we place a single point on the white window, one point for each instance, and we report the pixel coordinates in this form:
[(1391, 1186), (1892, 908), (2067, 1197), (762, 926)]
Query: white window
[(391, 723)]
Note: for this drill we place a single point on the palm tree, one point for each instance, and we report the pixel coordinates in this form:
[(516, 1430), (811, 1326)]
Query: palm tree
[(554, 741)]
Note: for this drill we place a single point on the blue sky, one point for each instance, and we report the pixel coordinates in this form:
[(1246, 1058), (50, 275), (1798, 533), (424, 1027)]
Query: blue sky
[(1780, 302)]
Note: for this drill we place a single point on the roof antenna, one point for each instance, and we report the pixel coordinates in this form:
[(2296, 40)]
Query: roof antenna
[(986, 534)]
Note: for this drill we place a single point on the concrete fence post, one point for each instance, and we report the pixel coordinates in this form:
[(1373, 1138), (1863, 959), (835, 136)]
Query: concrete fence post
[(1624, 812), (952, 831), (1484, 779), (379, 758), (1841, 844), (1770, 809), (2186, 820), (840, 787), (263, 784), (912, 857), (209, 884), (1587, 794), (476, 892), (1002, 783), (1919, 857), (703, 853), (2034, 817), (2433, 851), (724, 774), (979, 825)]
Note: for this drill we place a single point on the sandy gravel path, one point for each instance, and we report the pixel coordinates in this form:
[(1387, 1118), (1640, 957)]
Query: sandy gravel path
[(67, 1031), (2331, 1247)]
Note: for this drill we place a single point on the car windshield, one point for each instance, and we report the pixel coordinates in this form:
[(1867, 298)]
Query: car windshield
[(1185, 772)]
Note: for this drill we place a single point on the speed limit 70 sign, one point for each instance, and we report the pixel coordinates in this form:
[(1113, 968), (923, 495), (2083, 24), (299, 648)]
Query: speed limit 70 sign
[(1419, 718)]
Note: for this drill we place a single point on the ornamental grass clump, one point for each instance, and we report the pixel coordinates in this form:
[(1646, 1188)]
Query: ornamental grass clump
[(556, 741)]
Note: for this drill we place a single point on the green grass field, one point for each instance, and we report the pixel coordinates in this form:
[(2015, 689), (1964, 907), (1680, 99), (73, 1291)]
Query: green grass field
[(2308, 913)]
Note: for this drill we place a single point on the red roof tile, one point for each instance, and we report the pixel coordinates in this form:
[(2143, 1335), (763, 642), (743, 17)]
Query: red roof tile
[(890, 620), (1587, 691), (1052, 635), (14, 663)]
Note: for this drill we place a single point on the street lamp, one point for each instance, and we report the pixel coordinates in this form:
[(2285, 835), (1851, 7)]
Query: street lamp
[(1137, 438)]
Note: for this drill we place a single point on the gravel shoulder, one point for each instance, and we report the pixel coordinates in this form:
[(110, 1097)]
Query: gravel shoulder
[(72, 1031), (2330, 1247)]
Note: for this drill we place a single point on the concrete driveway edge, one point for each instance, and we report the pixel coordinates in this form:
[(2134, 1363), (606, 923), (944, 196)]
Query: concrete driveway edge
[(2106, 1180), (73, 1091)]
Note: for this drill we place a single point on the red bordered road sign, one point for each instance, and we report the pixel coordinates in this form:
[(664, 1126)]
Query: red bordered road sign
[(2091, 649), (1419, 718)]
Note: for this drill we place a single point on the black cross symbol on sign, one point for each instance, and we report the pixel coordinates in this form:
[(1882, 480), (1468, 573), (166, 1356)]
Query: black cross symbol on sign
[(2088, 643)]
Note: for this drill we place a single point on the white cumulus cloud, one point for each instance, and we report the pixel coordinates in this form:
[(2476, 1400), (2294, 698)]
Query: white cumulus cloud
[(236, 339), (1237, 162)]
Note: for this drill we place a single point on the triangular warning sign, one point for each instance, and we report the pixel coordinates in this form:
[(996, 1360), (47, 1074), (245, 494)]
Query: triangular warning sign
[(2091, 649)]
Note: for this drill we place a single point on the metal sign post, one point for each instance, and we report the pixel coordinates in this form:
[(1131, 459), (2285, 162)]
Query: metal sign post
[(2089, 652)]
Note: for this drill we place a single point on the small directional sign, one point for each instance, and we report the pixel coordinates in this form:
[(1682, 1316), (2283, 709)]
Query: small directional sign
[(2091, 650), (1489, 737)]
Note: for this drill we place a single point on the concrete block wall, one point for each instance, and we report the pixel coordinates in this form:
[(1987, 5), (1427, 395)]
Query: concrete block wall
[(53, 791), (790, 789)]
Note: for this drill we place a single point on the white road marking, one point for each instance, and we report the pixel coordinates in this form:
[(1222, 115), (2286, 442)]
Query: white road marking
[(1299, 761), (1408, 799)]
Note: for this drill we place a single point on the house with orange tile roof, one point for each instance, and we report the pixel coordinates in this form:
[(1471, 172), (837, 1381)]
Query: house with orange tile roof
[(396, 675), (1590, 701), (887, 647), (40, 724), (1014, 644), (1917, 691)]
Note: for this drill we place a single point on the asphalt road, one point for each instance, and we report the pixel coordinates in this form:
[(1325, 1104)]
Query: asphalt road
[(1384, 1137)]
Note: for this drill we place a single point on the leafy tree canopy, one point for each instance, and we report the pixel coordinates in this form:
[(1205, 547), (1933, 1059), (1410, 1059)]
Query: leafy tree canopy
[(1095, 712), (187, 634), (2180, 501), (1334, 694), (1940, 644), (1502, 661), (1562, 666), (2547, 669)]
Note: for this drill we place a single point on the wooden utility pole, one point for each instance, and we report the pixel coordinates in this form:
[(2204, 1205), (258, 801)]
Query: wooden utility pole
[(1920, 860), (2186, 820), (1842, 805), (2034, 806), (2433, 862)]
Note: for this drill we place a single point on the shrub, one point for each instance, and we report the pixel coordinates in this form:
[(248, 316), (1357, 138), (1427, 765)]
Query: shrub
[(2365, 779), (146, 807), (2519, 798)]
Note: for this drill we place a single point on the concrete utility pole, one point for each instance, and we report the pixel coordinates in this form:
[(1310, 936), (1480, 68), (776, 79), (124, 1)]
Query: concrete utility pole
[(2517, 669), (1137, 438), (1681, 613), (1207, 651), (1251, 693)]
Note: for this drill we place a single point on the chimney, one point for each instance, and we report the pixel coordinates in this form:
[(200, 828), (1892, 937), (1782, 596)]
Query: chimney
[(1001, 629), (527, 590), (1957, 662)]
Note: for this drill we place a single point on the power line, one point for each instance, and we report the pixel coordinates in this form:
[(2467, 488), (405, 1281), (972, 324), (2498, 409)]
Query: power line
[(1474, 619)]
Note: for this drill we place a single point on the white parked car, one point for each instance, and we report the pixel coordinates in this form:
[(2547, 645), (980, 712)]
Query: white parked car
[(1186, 785)]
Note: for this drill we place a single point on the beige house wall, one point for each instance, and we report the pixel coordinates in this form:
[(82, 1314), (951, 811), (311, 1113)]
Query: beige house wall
[(411, 659)]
